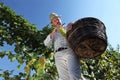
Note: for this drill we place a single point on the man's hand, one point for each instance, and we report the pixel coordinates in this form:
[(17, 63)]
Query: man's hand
[(69, 26), (57, 27)]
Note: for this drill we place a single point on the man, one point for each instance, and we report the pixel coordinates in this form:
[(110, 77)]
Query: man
[(67, 63)]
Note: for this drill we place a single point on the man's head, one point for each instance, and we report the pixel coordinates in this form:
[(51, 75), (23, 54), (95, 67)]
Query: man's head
[(55, 19)]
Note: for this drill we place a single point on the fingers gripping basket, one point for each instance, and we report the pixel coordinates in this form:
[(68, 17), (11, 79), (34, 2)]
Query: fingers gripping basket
[(88, 37)]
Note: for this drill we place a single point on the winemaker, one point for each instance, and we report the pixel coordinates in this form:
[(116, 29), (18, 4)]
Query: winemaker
[(67, 62)]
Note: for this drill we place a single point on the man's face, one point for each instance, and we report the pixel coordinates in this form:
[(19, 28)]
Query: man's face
[(57, 21)]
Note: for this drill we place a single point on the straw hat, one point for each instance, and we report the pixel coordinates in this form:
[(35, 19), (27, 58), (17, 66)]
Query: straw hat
[(53, 16)]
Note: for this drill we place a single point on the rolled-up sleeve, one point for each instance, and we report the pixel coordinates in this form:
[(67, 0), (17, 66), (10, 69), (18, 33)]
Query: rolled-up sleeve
[(48, 41)]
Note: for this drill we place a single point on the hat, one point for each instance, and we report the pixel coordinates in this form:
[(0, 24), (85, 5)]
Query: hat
[(53, 16)]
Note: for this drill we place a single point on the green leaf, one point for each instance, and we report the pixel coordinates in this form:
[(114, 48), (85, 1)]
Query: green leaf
[(13, 58), (27, 69), (18, 67), (2, 54)]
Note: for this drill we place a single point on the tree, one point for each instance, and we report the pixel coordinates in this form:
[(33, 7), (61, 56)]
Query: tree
[(28, 43), (29, 49), (104, 67)]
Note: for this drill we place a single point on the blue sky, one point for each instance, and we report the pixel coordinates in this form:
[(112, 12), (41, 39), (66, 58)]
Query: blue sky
[(37, 12)]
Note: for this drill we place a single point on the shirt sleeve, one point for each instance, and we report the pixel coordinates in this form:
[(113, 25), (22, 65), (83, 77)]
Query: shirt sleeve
[(48, 41)]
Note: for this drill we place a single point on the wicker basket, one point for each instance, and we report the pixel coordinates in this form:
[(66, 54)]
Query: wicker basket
[(88, 37)]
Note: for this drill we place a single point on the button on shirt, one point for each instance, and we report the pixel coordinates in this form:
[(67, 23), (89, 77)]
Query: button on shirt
[(58, 40)]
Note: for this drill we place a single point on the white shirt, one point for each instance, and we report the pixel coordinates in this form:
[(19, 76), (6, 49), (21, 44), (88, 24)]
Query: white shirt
[(58, 41)]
